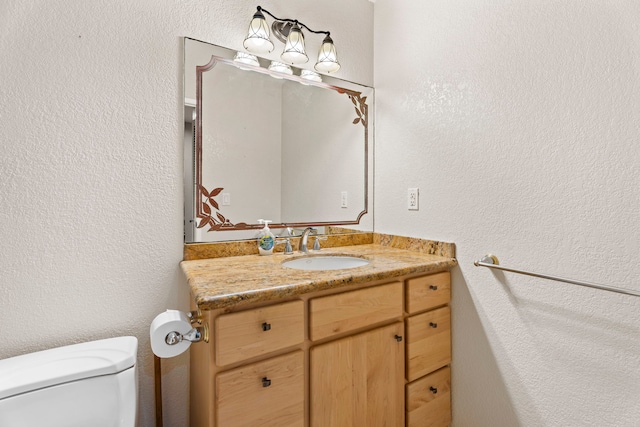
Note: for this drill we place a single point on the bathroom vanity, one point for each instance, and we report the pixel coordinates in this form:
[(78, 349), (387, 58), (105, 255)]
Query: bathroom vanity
[(367, 346), (364, 346)]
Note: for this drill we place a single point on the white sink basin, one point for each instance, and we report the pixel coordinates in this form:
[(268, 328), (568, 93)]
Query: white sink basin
[(325, 263)]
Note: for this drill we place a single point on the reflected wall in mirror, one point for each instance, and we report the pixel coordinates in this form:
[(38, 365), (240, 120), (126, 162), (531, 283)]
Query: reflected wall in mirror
[(287, 149)]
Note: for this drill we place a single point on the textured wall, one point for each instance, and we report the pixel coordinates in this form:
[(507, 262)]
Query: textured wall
[(519, 122), (91, 189)]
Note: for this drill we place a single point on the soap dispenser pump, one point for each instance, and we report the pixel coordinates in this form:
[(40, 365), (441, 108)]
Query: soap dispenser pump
[(266, 239)]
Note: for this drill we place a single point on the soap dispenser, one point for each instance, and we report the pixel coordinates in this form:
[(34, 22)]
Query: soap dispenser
[(266, 239)]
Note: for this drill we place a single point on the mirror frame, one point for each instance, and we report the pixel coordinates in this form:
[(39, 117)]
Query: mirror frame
[(207, 209)]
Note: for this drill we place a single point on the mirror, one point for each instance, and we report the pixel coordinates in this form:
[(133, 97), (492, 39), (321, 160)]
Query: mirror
[(263, 144)]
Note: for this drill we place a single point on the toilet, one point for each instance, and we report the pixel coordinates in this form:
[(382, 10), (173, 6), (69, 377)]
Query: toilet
[(89, 384)]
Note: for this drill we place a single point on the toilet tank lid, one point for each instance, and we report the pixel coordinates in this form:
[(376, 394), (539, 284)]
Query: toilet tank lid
[(59, 365)]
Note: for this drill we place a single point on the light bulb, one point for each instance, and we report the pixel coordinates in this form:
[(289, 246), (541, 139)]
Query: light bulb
[(310, 75), (246, 58), (281, 68)]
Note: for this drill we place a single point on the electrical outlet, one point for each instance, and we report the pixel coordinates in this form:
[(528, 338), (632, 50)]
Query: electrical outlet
[(413, 198), (226, 199), (343, 200)]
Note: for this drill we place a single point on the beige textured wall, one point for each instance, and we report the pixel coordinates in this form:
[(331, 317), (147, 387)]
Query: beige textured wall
[(519, 121), (91, 166)]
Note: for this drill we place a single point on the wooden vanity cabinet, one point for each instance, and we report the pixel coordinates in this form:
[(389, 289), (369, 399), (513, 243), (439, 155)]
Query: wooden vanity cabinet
[(365, 355)]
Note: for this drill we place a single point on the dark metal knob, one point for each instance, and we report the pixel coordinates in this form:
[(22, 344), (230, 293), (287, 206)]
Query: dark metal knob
[(433, 287), (398, 338), (433, 390), (433, 325), (266, 326), (266, 382)]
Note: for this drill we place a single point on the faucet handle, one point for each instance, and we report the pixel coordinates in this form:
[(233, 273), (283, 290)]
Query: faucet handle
[(316, 244), (289, 232), (288, 249)]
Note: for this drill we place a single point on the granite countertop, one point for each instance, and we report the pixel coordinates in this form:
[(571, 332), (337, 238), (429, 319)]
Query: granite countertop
[(224, 282)]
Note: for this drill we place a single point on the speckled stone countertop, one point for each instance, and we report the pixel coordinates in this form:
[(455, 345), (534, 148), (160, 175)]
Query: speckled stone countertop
[(224, 282)]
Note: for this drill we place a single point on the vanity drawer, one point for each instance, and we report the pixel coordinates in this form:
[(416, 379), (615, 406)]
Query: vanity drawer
[(429, 400), (348, 311), (427, 292), (246, 334), (428, 342), (267, 393)]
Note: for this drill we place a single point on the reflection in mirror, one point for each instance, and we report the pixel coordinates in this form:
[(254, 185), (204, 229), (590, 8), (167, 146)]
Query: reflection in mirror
[(288, 149)]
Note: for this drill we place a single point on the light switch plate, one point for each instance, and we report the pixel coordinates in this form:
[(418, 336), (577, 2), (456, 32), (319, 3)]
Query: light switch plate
[(343, 200)]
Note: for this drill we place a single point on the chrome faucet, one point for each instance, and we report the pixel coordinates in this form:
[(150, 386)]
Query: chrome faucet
[(304, 239)]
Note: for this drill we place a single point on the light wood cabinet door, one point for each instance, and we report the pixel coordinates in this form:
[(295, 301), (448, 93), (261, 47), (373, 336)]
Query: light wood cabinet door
[(348, 311), (428, 342), (429, 400), (267, 393), (359, 380), (259, 331), (428, 292)]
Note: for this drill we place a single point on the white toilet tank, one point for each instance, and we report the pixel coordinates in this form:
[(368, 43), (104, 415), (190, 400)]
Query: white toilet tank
[(90, 384)]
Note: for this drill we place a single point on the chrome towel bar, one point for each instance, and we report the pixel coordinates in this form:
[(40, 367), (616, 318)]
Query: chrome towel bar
[(491, 261)]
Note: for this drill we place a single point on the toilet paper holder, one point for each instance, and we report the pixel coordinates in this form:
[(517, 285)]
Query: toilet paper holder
[(167, 322), (197, 334)]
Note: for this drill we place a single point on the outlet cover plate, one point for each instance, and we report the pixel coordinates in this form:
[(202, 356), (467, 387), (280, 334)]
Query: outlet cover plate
[(413, 198)]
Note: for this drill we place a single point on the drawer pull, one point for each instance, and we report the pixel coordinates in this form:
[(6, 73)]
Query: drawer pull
[(433, 287), (433, 325), (433, 390), (266, 382), (398, 338), (266, 326)]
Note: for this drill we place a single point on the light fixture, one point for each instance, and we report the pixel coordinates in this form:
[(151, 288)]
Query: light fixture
[(279, 67), (246, 58), (258, 40), (327, 58), (289, 32), (294, 52), (310, 75)]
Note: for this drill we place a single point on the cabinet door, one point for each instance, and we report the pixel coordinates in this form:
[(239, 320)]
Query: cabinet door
[(429, 400), (266, 394), (359, 380), (348, 311), (428, 342), (246, 334), (428, 292)]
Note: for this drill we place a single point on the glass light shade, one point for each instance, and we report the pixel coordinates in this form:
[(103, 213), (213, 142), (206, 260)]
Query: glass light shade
[(327, 58), (246, 58), (310, 75), (279, 67), (294, 52), (257, 40)]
